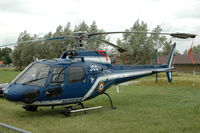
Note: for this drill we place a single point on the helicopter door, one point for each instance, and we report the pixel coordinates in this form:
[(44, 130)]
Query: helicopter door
[(55, 88), (76, 79)]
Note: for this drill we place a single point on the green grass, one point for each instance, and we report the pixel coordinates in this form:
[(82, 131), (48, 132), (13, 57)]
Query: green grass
[(144, 107), (6, 75), (180, 79)]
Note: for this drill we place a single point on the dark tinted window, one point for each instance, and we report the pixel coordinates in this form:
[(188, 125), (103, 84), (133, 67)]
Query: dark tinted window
[(53, 92), (76, 74)]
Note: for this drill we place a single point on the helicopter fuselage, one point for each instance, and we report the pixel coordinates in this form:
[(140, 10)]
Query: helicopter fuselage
[(73, 78)]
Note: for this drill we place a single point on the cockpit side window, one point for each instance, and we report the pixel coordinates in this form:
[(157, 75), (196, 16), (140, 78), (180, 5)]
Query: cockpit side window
[(76, 74), (58, 75)]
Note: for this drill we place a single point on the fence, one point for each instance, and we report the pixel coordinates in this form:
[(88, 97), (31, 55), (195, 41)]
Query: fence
[(9, 129)]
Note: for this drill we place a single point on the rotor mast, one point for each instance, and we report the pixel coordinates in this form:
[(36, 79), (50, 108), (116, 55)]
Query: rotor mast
[(80, 38)]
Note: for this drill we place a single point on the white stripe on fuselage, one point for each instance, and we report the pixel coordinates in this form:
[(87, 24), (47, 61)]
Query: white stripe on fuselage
[(98, 59), (122, 75), (112, 77)]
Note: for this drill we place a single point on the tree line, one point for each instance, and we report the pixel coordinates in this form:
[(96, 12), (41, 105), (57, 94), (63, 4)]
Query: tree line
[(140, 47), (5, 55), (195, 50), (24, 54)]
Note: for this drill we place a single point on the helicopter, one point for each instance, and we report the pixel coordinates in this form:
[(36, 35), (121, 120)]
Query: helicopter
[(78, 75)]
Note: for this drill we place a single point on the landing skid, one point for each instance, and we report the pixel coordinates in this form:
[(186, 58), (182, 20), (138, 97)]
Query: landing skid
[(111, 103), (30, 108), (70, 110)]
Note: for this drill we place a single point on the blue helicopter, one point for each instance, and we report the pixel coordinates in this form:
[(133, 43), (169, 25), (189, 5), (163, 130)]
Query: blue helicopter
[(78, 75)]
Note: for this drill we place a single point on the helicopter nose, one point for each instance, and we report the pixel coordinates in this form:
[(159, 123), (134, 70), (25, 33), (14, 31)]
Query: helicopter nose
[(26, 97), (21, 93), (9, 95)]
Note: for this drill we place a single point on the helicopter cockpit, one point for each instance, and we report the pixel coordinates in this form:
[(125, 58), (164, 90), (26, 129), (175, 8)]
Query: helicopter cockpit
[(35, 75), (39, 77)]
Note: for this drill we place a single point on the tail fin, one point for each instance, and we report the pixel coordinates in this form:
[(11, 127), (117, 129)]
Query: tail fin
[(169, 63), (170, 58)]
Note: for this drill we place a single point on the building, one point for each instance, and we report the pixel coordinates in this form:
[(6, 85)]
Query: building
[(1, 62), (183, 63)]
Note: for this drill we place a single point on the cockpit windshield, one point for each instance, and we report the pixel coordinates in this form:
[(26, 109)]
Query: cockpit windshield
[(35, 75)]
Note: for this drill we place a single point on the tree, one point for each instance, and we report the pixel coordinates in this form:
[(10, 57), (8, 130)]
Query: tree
[(135, 43), (42, 49), (195, 50), (81, 27), (23, 53), (93, 28), (5, 55), (166, 49), (141, 47), (56, 47), (93, 44)]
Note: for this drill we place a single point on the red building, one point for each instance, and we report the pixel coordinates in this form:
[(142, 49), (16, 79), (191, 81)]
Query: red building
[(1, 62), (183, 63)]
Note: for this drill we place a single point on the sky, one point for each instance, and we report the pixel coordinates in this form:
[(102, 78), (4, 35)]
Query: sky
[(41, 16)]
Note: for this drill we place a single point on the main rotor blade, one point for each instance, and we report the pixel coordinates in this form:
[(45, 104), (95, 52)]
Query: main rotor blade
[(120, 32), (83, 36), (176, 35), (183, 35), (38, 40), (121, 50)]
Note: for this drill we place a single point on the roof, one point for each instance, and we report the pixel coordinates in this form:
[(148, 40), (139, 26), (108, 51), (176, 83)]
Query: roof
[(181, 59), (55, 61)]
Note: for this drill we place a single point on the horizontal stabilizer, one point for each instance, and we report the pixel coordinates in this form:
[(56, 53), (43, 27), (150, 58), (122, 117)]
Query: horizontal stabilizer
[(162, 69)]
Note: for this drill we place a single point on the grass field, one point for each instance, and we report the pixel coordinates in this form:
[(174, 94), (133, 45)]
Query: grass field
[(6, 75), (144, 107)]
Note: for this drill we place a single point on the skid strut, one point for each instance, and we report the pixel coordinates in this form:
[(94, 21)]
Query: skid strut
[(82, 106), (111, 103), (69, 110)]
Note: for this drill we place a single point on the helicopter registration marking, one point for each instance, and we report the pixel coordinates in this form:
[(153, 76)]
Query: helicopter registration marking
[(94, 68)]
